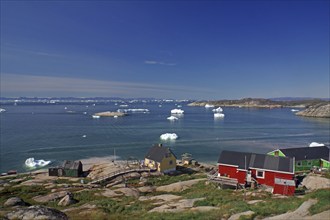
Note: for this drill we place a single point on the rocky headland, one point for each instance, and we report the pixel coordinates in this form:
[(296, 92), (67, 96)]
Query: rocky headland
[(320, 111), (261, 103), (110, 114)]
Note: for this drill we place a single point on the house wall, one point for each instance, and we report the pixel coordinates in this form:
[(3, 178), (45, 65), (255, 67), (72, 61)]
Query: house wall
[(150, 163), (168, 164), (284, 190), (232, 172), (325, 164), (306, 165), (269, 177)]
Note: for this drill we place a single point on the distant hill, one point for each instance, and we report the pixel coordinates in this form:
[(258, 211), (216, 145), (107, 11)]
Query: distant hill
[(298, 99), (261, 103)]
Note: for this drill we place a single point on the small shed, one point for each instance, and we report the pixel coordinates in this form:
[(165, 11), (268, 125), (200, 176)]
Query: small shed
[(69, 169), (72, 168)]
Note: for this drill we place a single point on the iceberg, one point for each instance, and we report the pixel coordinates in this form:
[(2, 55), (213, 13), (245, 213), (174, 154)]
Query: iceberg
[(172, 118), (32, 163), (2, 110), (169, 136), (294, 110), (96, 116), (315, 144), (219, 115), (218, 110), (177, 111), (209, 106)]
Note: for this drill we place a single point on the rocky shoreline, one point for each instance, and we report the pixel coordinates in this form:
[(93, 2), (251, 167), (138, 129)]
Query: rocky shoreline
[(319, 111)]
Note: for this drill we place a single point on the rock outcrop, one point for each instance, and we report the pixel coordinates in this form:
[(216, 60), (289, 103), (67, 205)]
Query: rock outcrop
[(14, 201), (319, 111), (312, 182), (67, 200), (37, 212)]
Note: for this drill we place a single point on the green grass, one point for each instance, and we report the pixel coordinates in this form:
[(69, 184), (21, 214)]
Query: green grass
[(323, 197)]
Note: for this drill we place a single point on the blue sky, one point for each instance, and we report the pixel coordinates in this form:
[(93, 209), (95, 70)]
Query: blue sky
[(161, 49)]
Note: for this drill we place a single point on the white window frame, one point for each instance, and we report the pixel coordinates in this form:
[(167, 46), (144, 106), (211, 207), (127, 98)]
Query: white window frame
[(263, 174)]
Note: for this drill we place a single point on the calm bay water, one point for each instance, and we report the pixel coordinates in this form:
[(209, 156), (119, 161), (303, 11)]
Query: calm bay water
[(50, 132)]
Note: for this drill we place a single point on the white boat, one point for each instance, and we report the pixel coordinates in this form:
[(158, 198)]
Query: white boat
[(96, 116), (219, 115), (209, 106)]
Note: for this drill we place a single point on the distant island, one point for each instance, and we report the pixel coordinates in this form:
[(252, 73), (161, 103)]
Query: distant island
[(315, 107)]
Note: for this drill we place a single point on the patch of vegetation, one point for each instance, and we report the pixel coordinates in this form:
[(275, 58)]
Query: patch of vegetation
[(323, 204), (166, 179)]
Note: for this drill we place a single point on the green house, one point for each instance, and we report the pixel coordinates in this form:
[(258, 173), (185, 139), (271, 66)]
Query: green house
[(306, 157)]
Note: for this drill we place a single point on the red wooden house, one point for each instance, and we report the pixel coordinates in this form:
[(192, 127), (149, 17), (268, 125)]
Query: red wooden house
[(277, 172)]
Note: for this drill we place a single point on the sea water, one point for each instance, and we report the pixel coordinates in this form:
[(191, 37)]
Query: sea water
[(69, 132)]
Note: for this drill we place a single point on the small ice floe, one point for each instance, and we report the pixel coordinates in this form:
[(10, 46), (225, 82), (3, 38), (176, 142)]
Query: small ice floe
[(96, 116), (134, 110), (218, 110), (172, 118), (84, 136), (209, 106), (85, 113), (116, 116), (169, 136), (123, 106), (32, 163), (179, 106), (65, 108), (116, 103), (294, 110), (159, 106), (177, 111), (2, 110), (93, 104), (219, 115), (315, 144)]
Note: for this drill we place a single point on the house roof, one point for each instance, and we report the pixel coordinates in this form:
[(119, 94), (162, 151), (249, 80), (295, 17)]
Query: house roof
[(307, 153), (246, 160), (158, 152), (69, 164)]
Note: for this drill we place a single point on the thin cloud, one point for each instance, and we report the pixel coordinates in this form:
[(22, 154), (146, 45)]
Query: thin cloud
[(153, 62), (42, 85)]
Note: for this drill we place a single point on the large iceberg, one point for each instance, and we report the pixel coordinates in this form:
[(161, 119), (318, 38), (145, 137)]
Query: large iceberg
[(315, 144), (177, 111), (169, 136), (172, 118), (218, 110), (219, 115), (32, 163), (2, 110)]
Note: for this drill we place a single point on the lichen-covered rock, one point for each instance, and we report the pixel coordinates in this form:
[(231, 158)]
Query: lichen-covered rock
[(14, 201), (67, 200), (50, 197), (36, 212), (319, 110)]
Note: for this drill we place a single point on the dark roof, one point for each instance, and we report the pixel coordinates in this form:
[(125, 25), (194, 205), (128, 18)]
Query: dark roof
[(307, 153), (158, 152), (259, 161), (69, 164)]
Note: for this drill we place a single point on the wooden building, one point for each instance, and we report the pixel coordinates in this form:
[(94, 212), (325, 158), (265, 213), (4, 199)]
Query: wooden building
[(160, 158), (68, 169), (306, 157), (251, 168)]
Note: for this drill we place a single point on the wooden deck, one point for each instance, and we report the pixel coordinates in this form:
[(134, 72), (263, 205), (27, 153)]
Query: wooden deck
[(119, 173), (225, 181)]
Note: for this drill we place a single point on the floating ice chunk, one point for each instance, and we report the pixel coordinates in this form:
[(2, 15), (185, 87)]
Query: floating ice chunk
[(84, 136), (217, 109), (169, 136), (95, 116), (123, 106), (177, 111), (116, 116), (134, 110), (2, 110), (179, 106), (294, 110), (315, 144), (32, 163), (85, 113), (209, 106), (219, 115), (172, 118), (65, 108)]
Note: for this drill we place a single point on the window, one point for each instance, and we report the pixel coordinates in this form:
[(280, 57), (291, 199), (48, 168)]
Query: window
[(299, 163), (260, 174), (309, 163)]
